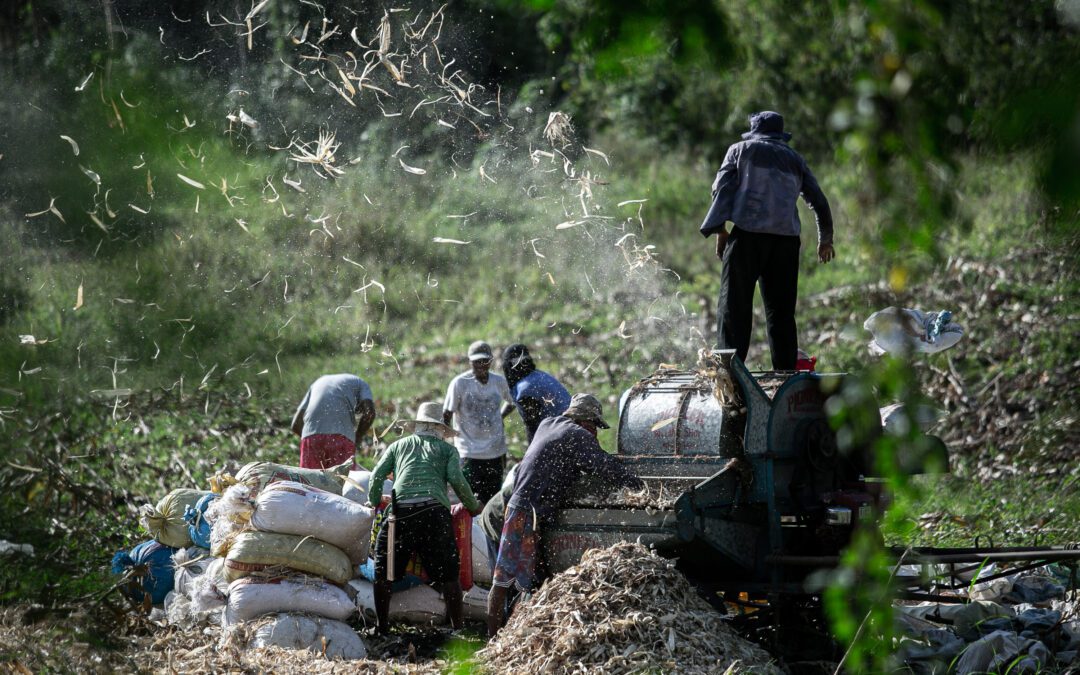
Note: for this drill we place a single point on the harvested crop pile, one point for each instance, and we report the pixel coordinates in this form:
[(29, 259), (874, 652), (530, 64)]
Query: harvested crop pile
[(652, 496), (620, 610)]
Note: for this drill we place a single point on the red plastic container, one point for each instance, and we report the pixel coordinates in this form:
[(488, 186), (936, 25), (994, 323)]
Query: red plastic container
[(463, 539), (805, 362)]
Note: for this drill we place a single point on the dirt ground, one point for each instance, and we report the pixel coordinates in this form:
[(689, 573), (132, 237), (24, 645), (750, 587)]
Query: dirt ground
[(34, 640)]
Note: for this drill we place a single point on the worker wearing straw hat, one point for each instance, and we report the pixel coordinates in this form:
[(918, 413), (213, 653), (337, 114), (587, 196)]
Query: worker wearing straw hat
[(419, 522), (563, 450)]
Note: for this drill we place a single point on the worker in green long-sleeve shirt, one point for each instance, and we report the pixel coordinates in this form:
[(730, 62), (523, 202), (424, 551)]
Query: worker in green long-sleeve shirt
[(423, 464)]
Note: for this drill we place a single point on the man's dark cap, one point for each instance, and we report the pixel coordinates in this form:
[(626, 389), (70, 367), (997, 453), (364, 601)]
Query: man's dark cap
[(767, 124)]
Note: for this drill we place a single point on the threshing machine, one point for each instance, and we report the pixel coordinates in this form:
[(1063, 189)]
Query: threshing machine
[(754, 492)]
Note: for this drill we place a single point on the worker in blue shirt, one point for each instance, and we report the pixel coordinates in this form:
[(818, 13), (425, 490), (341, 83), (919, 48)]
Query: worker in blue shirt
[(537, 395)]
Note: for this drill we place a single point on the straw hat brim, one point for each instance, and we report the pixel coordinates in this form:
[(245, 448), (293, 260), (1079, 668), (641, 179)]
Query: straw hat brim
[(409, 426)]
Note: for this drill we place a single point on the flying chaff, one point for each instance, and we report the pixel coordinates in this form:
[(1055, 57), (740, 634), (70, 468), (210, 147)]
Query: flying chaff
[(319, 154)]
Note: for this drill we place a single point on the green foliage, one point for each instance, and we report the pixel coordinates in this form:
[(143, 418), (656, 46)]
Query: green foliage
[(649, 65), (859, 605), (460, 652), (859, 601), (1013, 510), (899, 89), (74, 482)]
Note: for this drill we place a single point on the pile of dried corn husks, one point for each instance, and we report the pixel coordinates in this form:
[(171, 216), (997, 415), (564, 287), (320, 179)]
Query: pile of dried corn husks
[(621, 610)]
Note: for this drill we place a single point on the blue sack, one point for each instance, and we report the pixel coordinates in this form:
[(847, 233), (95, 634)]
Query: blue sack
[(367, 571), (158, 579), (198, 528)]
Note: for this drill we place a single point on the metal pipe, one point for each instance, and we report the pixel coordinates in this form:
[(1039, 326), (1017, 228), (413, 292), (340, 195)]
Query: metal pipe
[(979, 549), (994, 555), (918, 558)]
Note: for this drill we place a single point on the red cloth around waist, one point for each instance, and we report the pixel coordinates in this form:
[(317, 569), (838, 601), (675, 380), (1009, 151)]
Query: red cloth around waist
[(322, 451)]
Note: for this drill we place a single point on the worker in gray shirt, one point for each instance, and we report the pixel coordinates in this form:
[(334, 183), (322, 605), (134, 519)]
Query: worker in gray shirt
[(757, 189), (336, 411)]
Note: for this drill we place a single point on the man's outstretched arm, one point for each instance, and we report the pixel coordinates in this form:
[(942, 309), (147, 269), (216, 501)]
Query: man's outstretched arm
[(365, 415), (819, 205), (297, 424), (723, 191)]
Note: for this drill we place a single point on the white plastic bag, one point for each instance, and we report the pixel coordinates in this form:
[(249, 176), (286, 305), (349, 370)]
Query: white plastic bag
[(902, 331), (252, 596), (286, 507), (419, 605), (297, 631)]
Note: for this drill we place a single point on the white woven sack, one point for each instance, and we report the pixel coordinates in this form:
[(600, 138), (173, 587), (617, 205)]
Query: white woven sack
[(259, 474), (251, 597), (255, 551), (296, 631), (419, 605), (474, 604), (177, 609), (210, 588), (481, 570), (286, 507), (189, 564), (181, 611), (358, 484), (229, 515)]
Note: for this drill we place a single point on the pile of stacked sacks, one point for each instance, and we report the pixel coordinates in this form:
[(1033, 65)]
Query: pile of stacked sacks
[(993, 621), (279, 555), (288, 545)]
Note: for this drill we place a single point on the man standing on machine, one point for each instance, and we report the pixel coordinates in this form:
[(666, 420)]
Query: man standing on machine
[(757, 189)]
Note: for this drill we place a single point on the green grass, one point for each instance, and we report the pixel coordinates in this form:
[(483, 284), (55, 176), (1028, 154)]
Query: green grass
[(1011, 511)]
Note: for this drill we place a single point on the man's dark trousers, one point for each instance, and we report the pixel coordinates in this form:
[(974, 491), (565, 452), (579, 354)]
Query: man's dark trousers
[(772, 259)]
